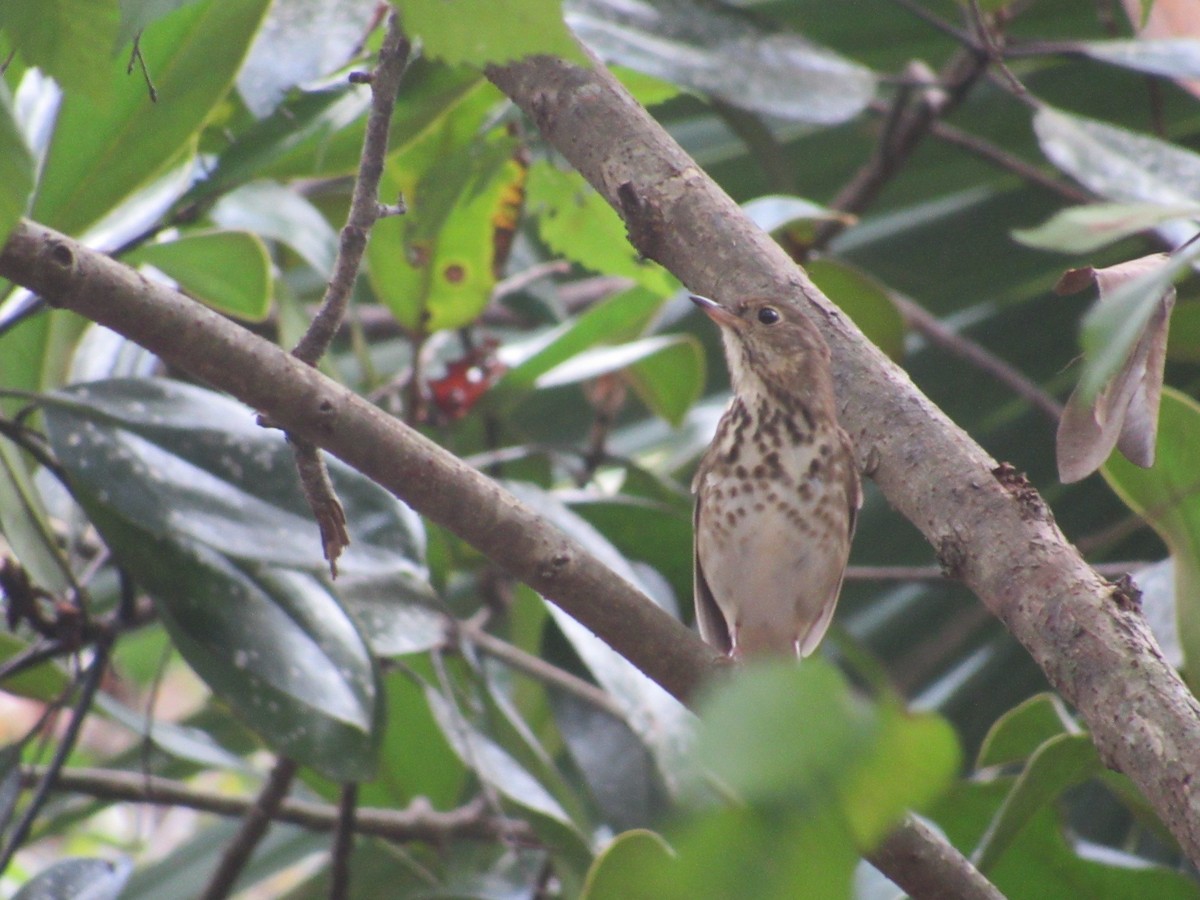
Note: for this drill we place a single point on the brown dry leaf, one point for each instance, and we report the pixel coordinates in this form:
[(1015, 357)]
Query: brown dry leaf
[(1124, 414)]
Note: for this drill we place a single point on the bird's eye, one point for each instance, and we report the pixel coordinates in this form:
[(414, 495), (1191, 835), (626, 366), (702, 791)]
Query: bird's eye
[(768, 315)]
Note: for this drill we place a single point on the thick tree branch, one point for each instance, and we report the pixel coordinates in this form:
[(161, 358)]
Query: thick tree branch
[(297, 397), (431, 480), (988, 525)]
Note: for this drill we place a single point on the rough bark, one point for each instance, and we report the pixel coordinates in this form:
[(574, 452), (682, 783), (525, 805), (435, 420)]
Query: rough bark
[(989, 527)]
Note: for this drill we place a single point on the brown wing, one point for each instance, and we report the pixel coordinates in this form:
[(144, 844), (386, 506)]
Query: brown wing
[(710, 621), (854, 498)]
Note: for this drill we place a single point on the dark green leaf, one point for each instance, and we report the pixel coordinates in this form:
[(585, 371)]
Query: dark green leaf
[(93, 879), (25, 524), (864, 300), (1061, 762), (491, 762), (271, 642), (1021, 730), (46, 681), (177, 458), (657, 718)]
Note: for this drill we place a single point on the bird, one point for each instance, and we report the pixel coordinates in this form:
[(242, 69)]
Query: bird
[(777, 492)]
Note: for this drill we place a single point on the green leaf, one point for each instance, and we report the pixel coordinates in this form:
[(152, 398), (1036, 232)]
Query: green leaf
[(619, 318), (1082, 229), (177, 458), (100, 154), (921, 745), (435, 266), (273, 211), (16, 170), (1020, 731), (26, 525), (47, 681), (1118, 164), (786, 734), (482, 32), (645, 89), (670, 380), (576, 222), (320, 132), (1040, 862), (1183, 342), (228, 270), (1167, 496), (617, 872), (1176, 58), (95, 879), (864, 300), (137, 15), (728, 56), (597, 361), (491, 762), (69, 40), (657, 718), (272, 643), (1061, 762)]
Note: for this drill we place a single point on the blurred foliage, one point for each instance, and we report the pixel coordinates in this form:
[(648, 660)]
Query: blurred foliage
[(507, 317)]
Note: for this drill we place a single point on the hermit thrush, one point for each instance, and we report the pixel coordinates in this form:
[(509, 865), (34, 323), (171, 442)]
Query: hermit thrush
[(777, 492)]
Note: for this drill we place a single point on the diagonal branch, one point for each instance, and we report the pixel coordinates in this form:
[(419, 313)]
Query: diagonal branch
[(989, 526), (431, 480), (365, 210), (298, 398)]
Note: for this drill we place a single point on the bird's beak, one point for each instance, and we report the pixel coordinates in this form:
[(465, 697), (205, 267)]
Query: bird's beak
[(716, 311)]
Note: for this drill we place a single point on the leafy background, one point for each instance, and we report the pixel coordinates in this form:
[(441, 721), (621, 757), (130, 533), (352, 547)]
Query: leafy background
[(508, 317)]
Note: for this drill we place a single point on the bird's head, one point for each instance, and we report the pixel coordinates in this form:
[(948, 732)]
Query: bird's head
[(766, 342)]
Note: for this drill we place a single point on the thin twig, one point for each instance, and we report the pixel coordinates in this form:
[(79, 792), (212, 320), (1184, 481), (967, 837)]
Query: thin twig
[(911, 122), (538, 668), (1007, 161), (938, 334), (365, 211), (365, 208), (87, 693), (343, 844), (258, 819), (418, 822)]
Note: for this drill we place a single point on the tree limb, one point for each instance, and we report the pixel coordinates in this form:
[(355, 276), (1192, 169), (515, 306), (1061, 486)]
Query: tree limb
[(418, 822), (427, 477), (989, 526)]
